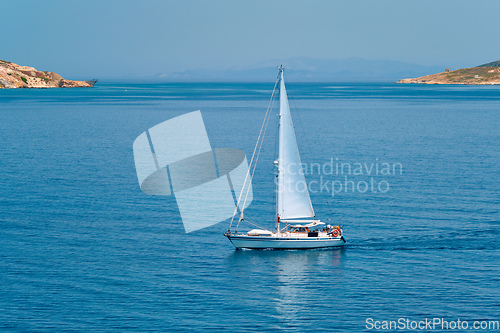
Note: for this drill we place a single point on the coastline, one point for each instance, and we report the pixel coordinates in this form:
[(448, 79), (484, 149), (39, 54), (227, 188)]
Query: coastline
[(14, 76), (487, 74)]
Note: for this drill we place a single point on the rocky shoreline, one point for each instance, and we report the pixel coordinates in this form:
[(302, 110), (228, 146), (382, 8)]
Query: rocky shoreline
[(487, 74), (15, 76)]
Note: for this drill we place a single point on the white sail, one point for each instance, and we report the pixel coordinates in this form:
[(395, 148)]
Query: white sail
[(293, 199)]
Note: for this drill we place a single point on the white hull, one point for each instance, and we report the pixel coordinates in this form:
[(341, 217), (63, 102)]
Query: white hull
[(264, 242)]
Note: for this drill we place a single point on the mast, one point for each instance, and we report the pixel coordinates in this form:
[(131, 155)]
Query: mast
[(292, 195), (280, 76)]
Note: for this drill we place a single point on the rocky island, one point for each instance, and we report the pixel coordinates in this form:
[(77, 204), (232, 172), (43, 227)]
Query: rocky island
[(484, 74), (15, 76)]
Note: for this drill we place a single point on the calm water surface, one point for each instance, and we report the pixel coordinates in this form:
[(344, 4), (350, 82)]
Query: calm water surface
[(83, 249)]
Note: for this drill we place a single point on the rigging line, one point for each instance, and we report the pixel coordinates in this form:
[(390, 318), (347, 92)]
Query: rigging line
[(266, 121), (255, 224), (308, 145), (249, 167), (260, 148), (298, 111), (275, 170), (253, 155), (258, 155)]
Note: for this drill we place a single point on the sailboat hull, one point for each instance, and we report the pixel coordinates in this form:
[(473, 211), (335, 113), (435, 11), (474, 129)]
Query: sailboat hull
[(292, 204), (249, 242)]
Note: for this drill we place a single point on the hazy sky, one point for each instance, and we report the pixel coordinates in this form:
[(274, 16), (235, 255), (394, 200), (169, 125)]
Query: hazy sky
[(119, 38)]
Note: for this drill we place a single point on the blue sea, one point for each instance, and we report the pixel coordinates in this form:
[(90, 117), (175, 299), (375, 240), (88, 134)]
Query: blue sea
[(83, 249)]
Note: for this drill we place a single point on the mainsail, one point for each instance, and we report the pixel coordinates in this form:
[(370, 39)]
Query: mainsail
[(293, 199)]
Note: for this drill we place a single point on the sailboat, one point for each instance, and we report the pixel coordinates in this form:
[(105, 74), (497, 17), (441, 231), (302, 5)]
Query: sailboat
[(295, 223)]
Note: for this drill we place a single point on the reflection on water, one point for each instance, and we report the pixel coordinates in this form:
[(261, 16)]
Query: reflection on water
[(297, 281), (293, 280)]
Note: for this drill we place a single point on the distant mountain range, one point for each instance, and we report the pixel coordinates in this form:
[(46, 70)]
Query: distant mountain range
[(307, 69)]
